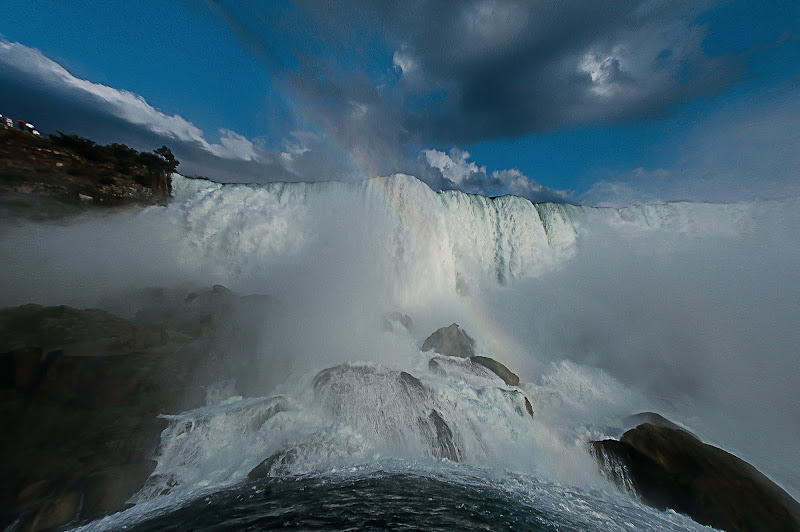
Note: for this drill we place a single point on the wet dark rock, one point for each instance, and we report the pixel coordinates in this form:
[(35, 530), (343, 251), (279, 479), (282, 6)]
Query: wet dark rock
[(62, 509), (528, 407), (77, 332), (412, 382), (109, 490), (671, 468), (442, 437), (80, 392), (508, 376), (276, 464), (652, 418), (451, 341)]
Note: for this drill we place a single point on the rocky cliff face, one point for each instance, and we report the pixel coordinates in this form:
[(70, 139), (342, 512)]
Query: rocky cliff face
[(670, 468), (81, 391), (42, 178)]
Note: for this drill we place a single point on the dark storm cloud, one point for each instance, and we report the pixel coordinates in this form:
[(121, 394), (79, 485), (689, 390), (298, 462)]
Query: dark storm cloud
[(476, 70)]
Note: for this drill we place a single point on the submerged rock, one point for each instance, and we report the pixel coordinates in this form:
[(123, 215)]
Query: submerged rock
[(528, 407), (451, 341), (442, 437), (275, 465), (671, 468), (393, 407), (391, 321)]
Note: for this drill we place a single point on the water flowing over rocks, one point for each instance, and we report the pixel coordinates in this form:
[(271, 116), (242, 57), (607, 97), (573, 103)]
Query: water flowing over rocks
[(670, 468), (404, 414), (453, 341), (508, 376), (390, 403)]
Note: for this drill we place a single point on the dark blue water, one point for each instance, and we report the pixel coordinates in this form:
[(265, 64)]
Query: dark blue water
[(394, 502), (400, 501)]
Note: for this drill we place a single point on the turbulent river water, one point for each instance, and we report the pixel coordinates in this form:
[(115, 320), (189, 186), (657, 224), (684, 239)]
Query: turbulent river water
[(686, 309)]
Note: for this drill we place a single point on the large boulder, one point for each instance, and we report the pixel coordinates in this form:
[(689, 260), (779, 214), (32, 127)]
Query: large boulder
[(451, 341), (653, 418), (80, 392), (455, 342), (394, 407), (508, 376), (670, 468)]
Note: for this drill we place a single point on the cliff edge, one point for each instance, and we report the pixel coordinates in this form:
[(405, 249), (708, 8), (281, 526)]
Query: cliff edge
[(60, 174)]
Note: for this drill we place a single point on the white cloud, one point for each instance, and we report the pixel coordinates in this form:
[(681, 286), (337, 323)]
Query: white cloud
[(233, 146), (403, 60), (121, 104), (296, 146), (466, 175), (453, 166), (603, 70)]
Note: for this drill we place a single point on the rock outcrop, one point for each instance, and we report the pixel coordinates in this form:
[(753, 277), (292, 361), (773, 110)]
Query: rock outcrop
[(393, 405), (44, 177), (670, 468), (653, 418), (455, 342), (508, 376), (80, 392), (451, 341)]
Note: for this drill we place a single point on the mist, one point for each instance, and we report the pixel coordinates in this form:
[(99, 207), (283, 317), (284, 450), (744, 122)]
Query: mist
[(687, 309)]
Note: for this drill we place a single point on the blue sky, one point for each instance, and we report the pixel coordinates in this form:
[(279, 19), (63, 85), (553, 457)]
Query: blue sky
[(595, 102)]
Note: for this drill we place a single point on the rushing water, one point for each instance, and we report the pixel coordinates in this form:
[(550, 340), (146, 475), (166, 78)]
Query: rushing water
[(397, 498), (687, 309)]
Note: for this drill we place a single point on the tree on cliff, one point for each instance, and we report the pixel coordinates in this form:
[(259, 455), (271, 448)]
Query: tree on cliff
[(166, 154)]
